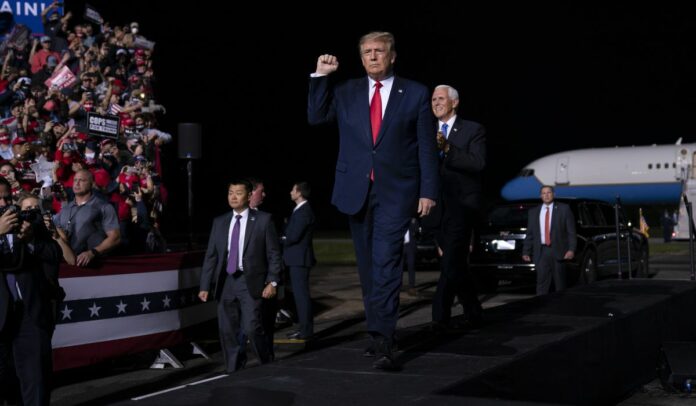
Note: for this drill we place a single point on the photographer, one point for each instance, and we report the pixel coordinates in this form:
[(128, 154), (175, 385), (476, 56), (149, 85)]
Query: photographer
[(90, 224), (25, 313)]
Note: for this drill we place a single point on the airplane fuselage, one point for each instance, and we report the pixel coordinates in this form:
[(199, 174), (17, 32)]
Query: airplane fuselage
[(638, 175)]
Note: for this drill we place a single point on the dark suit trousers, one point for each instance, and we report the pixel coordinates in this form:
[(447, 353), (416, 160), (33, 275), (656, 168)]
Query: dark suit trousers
[(549, 269), (409, 258), (455, 277), (299, 277), (239, 312), (25, 350), (378, 236)]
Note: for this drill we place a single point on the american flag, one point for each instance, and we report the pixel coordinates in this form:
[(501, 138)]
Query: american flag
[(644, 228), (128, 305)]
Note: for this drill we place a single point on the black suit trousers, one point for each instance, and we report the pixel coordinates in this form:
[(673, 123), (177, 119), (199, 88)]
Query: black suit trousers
[(25, 353), (456, 280), (239, 313)]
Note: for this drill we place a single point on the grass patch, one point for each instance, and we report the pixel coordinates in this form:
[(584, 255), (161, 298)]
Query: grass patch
[(334, 251), (671, 248)]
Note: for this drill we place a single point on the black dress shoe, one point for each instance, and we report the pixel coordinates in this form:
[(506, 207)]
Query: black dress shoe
[(292, 333), (370, 351), (385, 363)]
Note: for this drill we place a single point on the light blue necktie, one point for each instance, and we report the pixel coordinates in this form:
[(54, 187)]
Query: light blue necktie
[(443, 129)]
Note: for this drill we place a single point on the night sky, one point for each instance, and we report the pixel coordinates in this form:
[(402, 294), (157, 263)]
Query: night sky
[(541, 79)]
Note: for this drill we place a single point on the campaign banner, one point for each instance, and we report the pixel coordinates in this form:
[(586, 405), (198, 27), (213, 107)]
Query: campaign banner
[(93, 15), (129, 305), (27, 13), (141, 42), (61, 79), (103, 125)]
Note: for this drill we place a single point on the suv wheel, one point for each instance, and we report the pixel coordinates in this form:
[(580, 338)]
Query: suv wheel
[(588, 268)]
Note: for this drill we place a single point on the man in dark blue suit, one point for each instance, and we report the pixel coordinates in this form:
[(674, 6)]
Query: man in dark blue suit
[(241, 267), (298, 254), (26, 323), (386, 171)]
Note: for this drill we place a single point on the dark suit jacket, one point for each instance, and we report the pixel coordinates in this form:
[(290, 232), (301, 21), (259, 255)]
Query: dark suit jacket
[(260, 258), (461, 167), (28, 268), (563, 237), (460, 173), (298, 249), (404, 157)]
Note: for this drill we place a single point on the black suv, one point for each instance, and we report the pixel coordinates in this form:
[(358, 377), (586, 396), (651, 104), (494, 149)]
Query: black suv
[(497, 249)]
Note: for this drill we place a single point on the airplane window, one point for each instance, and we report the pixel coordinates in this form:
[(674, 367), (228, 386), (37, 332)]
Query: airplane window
[(657, 166), (649, 166), (526, 172), (674, 164), (666, 165)]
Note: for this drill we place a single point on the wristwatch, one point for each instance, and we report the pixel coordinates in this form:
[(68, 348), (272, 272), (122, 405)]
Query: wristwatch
[(94, 252), (274, 284)]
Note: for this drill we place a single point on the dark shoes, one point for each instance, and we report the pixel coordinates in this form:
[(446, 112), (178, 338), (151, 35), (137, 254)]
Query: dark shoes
[(370, 351), (296, 335), (384, 358), (283, 319), (384, 362)]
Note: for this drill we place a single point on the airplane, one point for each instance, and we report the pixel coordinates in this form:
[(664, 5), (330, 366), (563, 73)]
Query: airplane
[(654, 174)]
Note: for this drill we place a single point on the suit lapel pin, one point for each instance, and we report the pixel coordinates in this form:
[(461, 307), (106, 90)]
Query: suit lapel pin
[(400, 90), (252, 218)]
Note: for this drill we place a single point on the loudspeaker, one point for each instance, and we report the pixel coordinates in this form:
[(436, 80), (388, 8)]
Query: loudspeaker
[(677, 366), (190, 141)]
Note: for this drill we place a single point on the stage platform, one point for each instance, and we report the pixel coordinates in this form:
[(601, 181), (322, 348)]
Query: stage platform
[(590, 345)]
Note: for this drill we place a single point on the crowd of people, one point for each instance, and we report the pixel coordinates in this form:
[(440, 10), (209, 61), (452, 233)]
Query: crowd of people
[(46, 149), (66, 193)]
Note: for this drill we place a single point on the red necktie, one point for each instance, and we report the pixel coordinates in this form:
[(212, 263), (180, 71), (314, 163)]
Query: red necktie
[(376, 112), (547, 228), (375, 118)]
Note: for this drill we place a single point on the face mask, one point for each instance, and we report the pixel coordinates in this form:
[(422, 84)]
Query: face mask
[(140, 127), (134, 30), (89, 155)]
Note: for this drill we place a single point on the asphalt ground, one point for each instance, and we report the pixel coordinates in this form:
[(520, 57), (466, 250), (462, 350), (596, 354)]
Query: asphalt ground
[(338, 311)]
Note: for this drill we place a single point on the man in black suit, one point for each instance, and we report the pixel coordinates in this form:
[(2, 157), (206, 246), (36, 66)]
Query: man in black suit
[(462, 145), (242, 265), (550, 240), (25, 317), (298, 254)]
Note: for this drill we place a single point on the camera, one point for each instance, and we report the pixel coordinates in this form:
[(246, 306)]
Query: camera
[(32, 216)]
